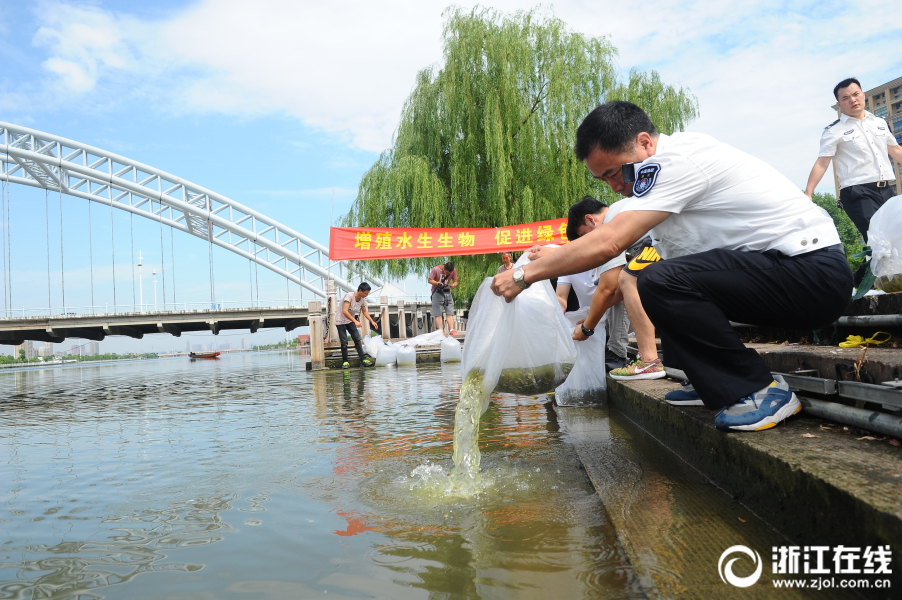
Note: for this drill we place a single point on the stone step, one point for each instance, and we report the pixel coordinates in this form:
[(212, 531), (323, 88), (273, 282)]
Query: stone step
[(815, 484)]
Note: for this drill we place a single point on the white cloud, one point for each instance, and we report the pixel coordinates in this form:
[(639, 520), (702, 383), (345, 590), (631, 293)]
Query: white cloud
[(763, 71), (84, 42)]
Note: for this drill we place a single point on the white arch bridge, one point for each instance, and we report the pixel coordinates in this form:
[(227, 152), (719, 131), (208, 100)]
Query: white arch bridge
[(42, 160)]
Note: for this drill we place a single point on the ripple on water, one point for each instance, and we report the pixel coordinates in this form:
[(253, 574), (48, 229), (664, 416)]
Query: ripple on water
[(148, 467)]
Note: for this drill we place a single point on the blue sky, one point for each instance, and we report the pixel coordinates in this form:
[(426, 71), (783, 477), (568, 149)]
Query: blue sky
[(282, 104)]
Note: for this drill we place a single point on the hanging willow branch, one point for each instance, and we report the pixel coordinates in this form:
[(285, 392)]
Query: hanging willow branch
[(486, 140)]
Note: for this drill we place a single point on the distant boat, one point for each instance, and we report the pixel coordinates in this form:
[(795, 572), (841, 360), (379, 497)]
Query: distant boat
[(194, 355)]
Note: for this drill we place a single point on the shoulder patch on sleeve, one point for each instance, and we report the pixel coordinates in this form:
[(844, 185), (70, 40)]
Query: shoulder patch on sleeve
[(832, 124), (646, 176)]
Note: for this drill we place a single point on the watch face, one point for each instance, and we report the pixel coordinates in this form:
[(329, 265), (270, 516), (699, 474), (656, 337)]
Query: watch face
[(518, 274)]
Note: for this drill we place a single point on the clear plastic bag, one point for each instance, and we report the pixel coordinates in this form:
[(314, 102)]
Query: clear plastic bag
[(387, 355), (885, 240), (450, 350), (406, 356), (521, 347), (586, 383), (372, 344)]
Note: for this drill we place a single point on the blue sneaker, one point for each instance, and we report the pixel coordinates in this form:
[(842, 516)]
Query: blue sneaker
[(685, 396), (762, 410)]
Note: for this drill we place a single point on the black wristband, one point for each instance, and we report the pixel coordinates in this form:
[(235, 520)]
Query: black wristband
[(587, 332)]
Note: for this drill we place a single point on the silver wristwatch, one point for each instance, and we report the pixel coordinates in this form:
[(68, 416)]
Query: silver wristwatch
[(518, 278)]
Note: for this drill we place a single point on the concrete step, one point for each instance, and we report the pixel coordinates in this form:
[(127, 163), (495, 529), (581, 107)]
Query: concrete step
[(815, 484)]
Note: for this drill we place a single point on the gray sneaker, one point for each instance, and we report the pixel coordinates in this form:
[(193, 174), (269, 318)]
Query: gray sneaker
[(762, 410)]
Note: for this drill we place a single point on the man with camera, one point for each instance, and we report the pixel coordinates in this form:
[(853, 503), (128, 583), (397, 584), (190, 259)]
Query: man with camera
[(443, 279)]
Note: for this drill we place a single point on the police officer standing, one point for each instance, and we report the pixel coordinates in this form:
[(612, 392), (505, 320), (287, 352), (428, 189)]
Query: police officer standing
[(859, 143)]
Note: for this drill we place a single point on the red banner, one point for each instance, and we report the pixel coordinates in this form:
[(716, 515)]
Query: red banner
[(367, 243)]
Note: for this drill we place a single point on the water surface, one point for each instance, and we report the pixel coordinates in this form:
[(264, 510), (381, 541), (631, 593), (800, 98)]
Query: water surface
[(249, 477)]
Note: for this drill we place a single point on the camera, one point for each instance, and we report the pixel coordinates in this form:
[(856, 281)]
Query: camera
[(441, 288)]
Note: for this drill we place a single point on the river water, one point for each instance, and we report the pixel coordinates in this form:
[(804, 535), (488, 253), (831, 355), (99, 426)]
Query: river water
[(248, 477)]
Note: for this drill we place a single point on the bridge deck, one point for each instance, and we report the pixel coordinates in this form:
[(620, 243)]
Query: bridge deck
[(96, 327), (136, 325)]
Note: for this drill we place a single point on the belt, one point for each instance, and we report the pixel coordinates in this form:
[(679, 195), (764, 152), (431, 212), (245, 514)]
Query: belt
[(833, 248), (880, 184)]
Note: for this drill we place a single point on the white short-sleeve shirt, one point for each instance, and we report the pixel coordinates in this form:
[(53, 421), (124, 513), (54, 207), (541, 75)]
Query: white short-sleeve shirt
[(859, 149), (585, 283), (721, 197)]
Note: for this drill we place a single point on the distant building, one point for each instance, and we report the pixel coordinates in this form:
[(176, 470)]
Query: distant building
[(46, 350), (93, 348), (28, 346), (187, 346), (244, 343), (885, 101)]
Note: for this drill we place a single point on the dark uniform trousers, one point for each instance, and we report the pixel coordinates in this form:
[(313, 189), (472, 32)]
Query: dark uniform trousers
[(692, 299), (861, 202)]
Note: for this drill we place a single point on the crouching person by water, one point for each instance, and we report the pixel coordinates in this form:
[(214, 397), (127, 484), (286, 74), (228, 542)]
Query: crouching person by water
[(348, 320), (740, 243)]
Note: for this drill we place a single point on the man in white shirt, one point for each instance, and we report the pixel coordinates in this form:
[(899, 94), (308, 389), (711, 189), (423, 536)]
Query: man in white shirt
[(596, 288), (601, 289), (858, 144), (739, 243)]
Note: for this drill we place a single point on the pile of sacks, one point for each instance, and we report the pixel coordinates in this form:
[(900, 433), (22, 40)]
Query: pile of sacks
[(404, 353)]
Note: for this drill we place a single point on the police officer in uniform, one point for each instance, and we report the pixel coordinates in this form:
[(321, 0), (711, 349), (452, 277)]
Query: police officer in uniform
[(858, 142), (739, 241)]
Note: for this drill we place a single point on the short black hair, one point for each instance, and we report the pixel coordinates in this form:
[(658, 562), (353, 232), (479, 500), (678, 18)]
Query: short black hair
[(364, 287), (449, 266), (612, 127), (844, 84), (577, 215)]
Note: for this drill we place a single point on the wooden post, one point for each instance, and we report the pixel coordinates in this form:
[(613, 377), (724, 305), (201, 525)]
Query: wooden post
[(402, 320), (333, 309), (317, 348), (416, 320), (385, 325)]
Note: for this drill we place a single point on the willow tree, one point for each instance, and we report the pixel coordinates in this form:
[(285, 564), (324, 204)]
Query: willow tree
[(486, 139)]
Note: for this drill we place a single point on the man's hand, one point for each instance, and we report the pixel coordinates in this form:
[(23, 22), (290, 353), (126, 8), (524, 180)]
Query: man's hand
[(539, 251), (503, 285), (375, 325), (358, 323), (578, 334)]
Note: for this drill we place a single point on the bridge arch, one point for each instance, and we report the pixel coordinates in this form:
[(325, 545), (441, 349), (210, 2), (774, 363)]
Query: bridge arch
[(42, 160)]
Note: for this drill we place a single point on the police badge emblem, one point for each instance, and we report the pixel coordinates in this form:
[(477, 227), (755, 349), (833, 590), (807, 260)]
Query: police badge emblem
[(646, 176)]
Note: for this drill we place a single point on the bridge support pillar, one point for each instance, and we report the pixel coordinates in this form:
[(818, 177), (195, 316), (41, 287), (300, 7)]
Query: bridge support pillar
[(317, 347), (384, 323), (402, 320), (332, 308)]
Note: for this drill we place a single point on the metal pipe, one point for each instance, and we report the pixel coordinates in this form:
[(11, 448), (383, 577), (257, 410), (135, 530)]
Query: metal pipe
[(872, 320), (860, 321), (877, 422)]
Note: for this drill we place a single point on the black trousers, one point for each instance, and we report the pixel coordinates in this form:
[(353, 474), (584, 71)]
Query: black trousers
[(692, 299), (861, 202), (343, 331)]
